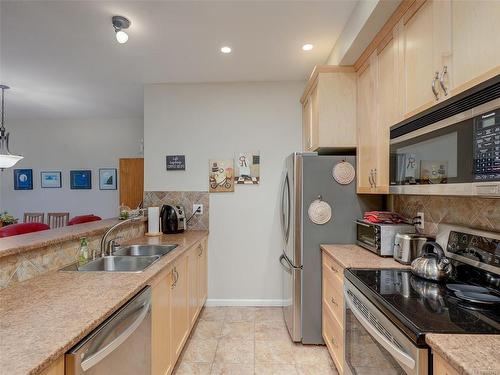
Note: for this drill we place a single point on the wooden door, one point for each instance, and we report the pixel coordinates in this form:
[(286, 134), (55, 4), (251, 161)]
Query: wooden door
[(367, 125), (131, 181), (160, 327), (203, 273), (475, 42), (193, 284), (180, 323), (388, 113), (419, 62)]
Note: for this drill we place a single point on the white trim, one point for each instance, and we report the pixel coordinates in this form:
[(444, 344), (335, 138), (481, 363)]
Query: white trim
[(244, 302)]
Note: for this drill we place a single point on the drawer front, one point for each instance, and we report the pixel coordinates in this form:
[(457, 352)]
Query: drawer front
[(332, 295), (333, 267), (334, 339)]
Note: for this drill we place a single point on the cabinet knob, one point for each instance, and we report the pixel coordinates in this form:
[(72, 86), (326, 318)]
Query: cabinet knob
[(333, 269)]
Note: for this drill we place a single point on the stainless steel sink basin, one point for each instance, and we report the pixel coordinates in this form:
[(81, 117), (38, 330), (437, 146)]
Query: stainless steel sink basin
[(145, 250), (116, 264)]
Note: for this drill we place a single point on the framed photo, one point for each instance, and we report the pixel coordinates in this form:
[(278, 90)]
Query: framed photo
[(51, 179), (107, 179), (80, 179), (23, 179), (221, 176), (247, 168)]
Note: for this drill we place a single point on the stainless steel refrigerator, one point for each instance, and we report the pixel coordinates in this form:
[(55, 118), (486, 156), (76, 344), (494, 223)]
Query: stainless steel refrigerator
[(307, 176)]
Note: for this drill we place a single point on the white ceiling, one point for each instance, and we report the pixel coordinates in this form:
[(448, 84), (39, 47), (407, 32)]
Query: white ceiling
[(62, 60)]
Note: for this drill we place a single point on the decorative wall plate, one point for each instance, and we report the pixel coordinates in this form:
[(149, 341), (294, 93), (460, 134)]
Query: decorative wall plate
[(320, 212), (343, 173)]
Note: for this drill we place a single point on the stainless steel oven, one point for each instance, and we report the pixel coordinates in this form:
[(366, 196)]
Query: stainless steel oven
[(454, 150), (373, 344)]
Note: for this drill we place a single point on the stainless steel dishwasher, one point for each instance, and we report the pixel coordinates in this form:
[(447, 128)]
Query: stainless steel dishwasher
[(120, 345)]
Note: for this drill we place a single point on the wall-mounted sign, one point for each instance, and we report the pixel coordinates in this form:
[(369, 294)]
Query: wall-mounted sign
[(176, 162)]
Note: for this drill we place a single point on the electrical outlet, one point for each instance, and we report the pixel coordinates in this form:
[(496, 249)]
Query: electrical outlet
[(198, 208), (420, 220)]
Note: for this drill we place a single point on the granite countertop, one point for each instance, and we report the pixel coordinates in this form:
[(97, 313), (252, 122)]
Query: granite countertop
[(354, 256), (32, 241), (468, 354), (41, 318)]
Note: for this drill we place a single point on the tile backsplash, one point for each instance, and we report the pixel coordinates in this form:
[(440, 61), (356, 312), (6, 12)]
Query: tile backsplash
[(184, 198), (482, 213)]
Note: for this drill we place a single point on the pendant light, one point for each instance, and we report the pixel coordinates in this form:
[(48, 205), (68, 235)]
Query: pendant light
[(7, 160)]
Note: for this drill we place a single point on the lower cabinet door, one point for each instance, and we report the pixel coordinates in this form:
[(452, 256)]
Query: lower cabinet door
[(180, 307), (161, 360), (193, 284), (202, 273)]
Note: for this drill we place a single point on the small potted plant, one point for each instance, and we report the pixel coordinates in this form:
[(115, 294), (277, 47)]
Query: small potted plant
[(7, 219)]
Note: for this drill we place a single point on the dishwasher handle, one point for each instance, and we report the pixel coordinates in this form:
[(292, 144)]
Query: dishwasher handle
[(108, 349)]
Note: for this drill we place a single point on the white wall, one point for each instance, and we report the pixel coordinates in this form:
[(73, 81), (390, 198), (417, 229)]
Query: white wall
[(63, 145), (206, 121)]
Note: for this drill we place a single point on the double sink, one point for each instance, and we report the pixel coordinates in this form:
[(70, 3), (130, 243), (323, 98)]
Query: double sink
[(132, 258)]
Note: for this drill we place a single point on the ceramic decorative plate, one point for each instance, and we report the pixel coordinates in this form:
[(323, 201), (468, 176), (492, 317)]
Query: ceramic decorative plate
[(320, 212), (343, 173)]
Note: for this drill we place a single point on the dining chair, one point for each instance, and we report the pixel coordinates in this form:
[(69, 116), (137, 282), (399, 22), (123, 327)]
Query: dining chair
[(57, 219), (34, 217)]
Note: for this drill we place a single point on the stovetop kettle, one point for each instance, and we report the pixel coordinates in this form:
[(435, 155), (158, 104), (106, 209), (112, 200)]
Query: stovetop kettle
[(432, 264)]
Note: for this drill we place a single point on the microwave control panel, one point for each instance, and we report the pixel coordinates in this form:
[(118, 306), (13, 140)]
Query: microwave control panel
[(487, 147)]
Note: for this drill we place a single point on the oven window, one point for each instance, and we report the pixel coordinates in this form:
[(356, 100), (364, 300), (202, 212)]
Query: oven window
[(364, 355), (438, 157)]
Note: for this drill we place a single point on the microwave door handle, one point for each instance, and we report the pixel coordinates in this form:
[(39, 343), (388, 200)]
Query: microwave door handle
[(107, 350), (397, 353)]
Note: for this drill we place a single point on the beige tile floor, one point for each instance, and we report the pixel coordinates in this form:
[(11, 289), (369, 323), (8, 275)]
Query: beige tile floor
[(248, 340)]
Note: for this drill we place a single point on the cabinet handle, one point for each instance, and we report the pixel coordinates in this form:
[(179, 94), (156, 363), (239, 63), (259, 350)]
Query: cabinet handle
[(374, 177), (333, 269), (175, 275), (441, 80), (334, 302), (201, 250), (434, 91), (333, 341), (370, 179)]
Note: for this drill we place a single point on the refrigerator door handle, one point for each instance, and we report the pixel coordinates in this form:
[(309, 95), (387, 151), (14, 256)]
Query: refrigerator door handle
[(285, 216), (290, 265)]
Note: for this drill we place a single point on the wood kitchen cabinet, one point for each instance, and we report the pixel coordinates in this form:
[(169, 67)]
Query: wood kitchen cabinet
[(178, 296), (475, 42), (161, 353), (56, 368), (333, 310), (441, 367), (329, 109)]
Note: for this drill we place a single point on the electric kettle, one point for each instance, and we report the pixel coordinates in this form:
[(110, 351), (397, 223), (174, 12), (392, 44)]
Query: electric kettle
[(432, 264)]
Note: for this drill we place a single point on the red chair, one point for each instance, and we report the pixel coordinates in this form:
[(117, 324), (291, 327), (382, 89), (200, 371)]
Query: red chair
[(23, 228), (83, 219)]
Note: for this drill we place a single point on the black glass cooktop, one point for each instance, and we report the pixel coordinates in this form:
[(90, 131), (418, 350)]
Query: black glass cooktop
[(418, 306)]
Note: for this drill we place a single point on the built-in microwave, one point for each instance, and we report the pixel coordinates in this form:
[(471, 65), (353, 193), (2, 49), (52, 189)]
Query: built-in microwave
[(459, 154)]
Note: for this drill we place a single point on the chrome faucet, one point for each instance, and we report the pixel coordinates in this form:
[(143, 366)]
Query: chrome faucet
[(105, 244)]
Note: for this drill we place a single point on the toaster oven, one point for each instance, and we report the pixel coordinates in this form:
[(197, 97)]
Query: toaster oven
[(379, 238)]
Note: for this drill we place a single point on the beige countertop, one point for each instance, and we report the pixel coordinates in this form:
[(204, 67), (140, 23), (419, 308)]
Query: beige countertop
[(354, 256), (41, 318), (468, 354), (32, 241)]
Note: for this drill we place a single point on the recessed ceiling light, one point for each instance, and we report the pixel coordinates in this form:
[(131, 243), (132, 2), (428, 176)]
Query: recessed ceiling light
[(307, 47), (225, 49)]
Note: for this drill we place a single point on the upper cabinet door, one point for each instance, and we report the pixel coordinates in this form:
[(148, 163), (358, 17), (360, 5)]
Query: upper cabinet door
[(419, 57), (475, 42)]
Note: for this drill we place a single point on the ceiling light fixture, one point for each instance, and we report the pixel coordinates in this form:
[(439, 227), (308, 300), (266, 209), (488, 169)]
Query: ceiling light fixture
[(120, 23), (307, 47), (7, 160), (225, 49)]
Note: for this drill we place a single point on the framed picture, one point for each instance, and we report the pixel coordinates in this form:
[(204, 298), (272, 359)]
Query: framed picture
[(23, 179), (221, 176), (51, 179), (107, 179), (80, 179), (247, 168)]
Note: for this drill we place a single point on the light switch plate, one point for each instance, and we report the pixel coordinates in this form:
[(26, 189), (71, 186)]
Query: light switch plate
[(196, 206)]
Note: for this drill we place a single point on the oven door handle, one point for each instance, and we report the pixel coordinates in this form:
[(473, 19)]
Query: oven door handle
[(397, 353)]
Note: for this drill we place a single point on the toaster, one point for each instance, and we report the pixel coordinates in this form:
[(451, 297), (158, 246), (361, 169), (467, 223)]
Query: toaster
[(407, 246)]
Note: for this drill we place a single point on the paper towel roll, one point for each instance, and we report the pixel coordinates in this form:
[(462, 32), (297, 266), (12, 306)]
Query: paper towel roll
[(153, 220)]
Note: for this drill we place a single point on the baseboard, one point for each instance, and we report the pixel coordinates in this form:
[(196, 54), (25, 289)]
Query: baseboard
[(244, 302)]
